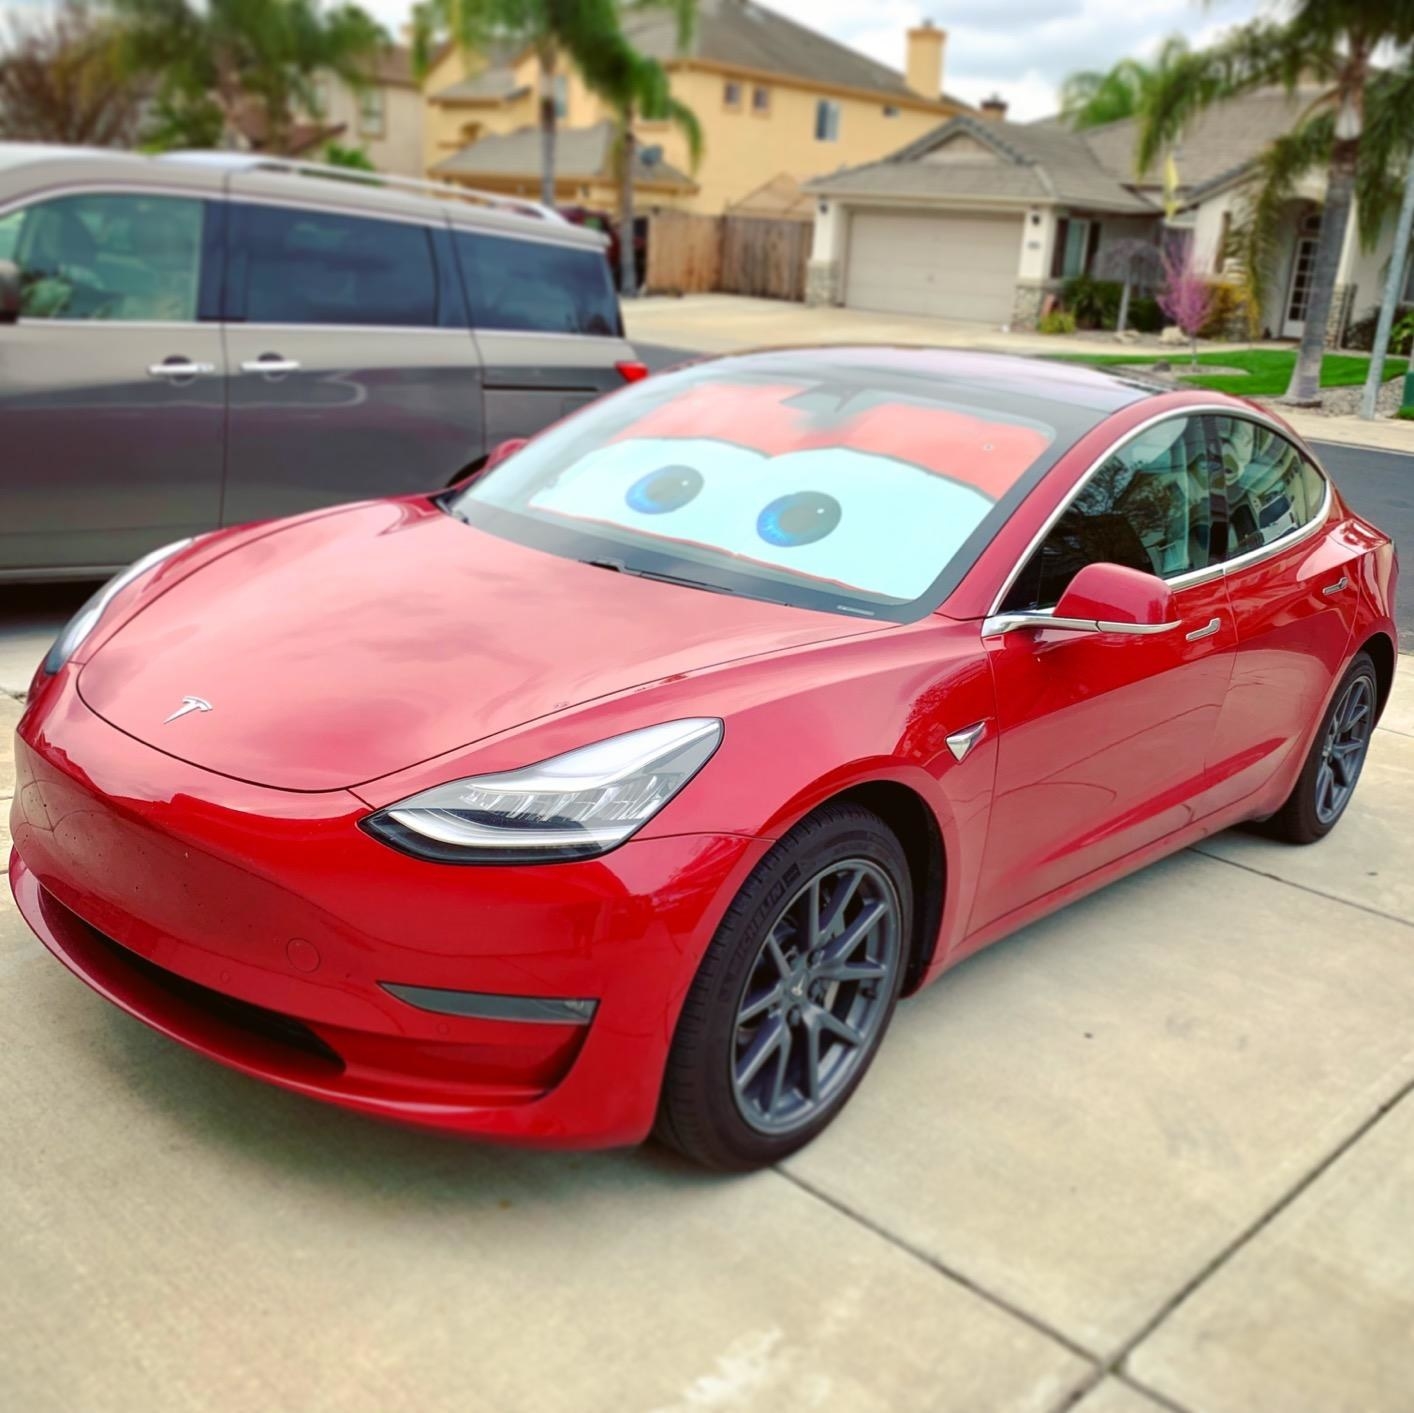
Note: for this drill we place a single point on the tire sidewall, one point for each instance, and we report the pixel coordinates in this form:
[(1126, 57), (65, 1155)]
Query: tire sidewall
[(1304, 817)]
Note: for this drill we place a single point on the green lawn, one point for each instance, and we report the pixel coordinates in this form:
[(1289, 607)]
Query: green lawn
[(1268, 370)]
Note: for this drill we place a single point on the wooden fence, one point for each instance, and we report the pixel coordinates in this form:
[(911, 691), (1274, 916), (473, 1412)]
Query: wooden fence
[(736, 254)]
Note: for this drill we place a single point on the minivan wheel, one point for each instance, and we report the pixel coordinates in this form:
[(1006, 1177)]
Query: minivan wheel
[(1336, 759), (794, 994)]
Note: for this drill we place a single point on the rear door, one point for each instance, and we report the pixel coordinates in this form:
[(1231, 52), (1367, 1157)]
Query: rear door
[(352, 371), (1292, 582), (547, 323), (112, 395)]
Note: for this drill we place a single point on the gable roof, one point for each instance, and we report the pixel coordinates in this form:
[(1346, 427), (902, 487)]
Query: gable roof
[(581, 155), (1216, 144), (1006, 162)]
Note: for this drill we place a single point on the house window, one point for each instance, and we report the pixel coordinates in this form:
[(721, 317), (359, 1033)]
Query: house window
[(890, 111), (561, 90), (731, 96), (319, 97), (827, 121), (372, 116), (761, 101), (1224, 240), (1076, 242)]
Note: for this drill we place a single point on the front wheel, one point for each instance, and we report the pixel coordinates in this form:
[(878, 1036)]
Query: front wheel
[(1333, 766), (794, 995)]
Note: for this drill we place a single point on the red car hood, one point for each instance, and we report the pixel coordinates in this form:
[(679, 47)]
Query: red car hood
[(353, 645)]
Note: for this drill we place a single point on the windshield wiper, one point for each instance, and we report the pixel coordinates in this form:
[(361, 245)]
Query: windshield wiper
[(617, 566)]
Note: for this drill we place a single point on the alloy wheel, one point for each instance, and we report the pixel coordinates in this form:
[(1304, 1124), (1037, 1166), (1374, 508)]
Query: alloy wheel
[(817, 996), (1343, 752)]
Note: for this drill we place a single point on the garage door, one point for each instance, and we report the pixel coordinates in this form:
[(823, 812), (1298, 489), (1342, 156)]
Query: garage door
[(954, 267)]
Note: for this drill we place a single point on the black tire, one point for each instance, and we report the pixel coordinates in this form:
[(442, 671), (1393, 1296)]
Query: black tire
[(1309, 813), (702, 1112)]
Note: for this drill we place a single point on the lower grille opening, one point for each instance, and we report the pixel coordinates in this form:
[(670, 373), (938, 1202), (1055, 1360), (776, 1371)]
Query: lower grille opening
[(243, 1015)]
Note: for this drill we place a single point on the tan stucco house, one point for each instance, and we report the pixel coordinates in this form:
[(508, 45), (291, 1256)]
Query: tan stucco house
[(772, 96), (384, 116), (981, 218)]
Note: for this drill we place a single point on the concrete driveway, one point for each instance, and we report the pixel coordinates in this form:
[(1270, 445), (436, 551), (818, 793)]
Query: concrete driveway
[(1155, 1152)]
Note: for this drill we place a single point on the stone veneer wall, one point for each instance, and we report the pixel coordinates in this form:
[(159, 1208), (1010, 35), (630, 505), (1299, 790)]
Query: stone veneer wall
[(1026, 305), (822, 283)]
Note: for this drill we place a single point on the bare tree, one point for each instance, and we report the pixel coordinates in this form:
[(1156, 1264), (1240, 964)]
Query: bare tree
[(61, 81)]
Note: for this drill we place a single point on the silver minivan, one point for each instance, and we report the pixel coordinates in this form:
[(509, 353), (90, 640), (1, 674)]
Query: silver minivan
[(203, 339)]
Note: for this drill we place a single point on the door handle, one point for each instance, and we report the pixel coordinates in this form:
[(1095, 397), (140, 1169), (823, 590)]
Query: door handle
[(1339, 586), (180, 368), (1207, 631), (270, 363)]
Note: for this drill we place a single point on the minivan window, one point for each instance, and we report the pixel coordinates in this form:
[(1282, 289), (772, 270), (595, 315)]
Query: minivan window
[(1148, 507), (314, 267), (107, 256), (536, 287), (1271, 488)]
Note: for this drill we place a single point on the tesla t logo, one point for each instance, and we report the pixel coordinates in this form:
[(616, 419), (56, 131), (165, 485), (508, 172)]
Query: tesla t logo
[(189, 704)]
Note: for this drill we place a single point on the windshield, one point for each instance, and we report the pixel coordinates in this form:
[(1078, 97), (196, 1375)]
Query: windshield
[(845, 488)]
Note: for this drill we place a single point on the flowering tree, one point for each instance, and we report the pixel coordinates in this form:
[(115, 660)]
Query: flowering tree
[(1186, 297)]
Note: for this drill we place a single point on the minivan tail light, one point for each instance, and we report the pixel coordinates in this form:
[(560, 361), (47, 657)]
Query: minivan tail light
[(632, 371)]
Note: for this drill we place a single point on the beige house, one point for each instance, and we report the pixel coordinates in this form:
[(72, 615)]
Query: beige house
[(385, 117), (773, 97), (981, 219)]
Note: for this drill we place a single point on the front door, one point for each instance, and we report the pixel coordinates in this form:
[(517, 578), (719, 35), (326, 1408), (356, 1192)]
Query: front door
[(1103, 739), (347, 377), (112, 390), (1294, 592)]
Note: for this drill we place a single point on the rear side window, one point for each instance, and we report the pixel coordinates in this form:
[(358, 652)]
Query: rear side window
[(1147, 507), (536, 287), (1271, 489), (312, 267), (110, 257)]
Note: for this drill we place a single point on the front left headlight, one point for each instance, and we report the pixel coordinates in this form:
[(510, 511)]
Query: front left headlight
[(87, 618), (573, 806)]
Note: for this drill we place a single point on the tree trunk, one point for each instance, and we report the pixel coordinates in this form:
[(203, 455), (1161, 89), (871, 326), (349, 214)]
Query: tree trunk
[(1369, 400), (548, 118), (628, 272), (1122, 322)]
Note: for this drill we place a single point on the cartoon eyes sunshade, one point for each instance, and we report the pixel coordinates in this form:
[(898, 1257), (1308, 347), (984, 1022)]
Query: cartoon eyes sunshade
[(868, 492)]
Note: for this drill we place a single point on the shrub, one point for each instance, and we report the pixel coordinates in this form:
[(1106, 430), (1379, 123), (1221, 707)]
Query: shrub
[(1228, 312), (1145, 316), (1058, 321), (1095, 303), (1360, 334)]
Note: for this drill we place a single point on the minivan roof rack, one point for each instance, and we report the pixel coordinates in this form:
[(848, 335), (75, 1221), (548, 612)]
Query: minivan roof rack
[(261, 162)]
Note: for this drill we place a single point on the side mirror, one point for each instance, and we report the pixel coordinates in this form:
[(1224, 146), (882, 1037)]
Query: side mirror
[(1102, 598), (9, 292)]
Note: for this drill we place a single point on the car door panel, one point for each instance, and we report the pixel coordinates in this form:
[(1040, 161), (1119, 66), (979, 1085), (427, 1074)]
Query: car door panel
[(346, 381), (1104, 738), (526, 390), (111, 417)]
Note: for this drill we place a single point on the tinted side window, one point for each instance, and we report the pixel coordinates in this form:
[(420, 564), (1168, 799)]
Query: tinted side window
[(111, 257), (311, 267), (1148, 507), (1271, 488), (537, 287)]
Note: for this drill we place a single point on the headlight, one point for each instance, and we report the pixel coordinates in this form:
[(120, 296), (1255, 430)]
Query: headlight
[(87, 618), (572, 806)]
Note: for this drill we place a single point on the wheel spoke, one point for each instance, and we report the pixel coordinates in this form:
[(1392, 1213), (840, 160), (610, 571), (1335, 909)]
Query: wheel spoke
[(778, 1082), (843, 947), (766, 1040), (763, 1002), (1325, 789), (812, 914), (828, 1022), (864, 970), (773, 950), (839, 901), (812, 1060)]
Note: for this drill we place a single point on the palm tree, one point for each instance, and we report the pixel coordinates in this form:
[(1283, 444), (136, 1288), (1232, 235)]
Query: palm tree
[(1355, 128), (226, 65), (587, 33), (1094, 96)]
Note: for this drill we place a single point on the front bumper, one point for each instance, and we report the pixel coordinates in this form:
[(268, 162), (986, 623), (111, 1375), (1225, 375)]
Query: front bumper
[(261, 928)]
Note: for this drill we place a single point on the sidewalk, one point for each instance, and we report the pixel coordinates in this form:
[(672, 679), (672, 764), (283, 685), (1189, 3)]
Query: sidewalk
[(1161, 1143), (725, 323)]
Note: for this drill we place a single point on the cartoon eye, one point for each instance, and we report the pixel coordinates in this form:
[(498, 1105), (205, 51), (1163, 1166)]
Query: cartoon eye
[(667, 488), (798, 519)]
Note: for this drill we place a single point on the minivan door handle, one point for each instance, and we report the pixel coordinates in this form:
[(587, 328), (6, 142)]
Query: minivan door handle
[(270, 363), (180, 368)]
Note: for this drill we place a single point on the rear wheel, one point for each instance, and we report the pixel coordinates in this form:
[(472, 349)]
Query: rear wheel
[(794, 995), (1333, 767)]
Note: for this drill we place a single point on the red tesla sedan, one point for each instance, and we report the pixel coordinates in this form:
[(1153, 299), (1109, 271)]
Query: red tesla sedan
[(628, 785)]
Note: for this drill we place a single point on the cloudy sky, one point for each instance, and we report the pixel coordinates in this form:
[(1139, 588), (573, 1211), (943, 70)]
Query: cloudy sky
[(1021, 49)]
